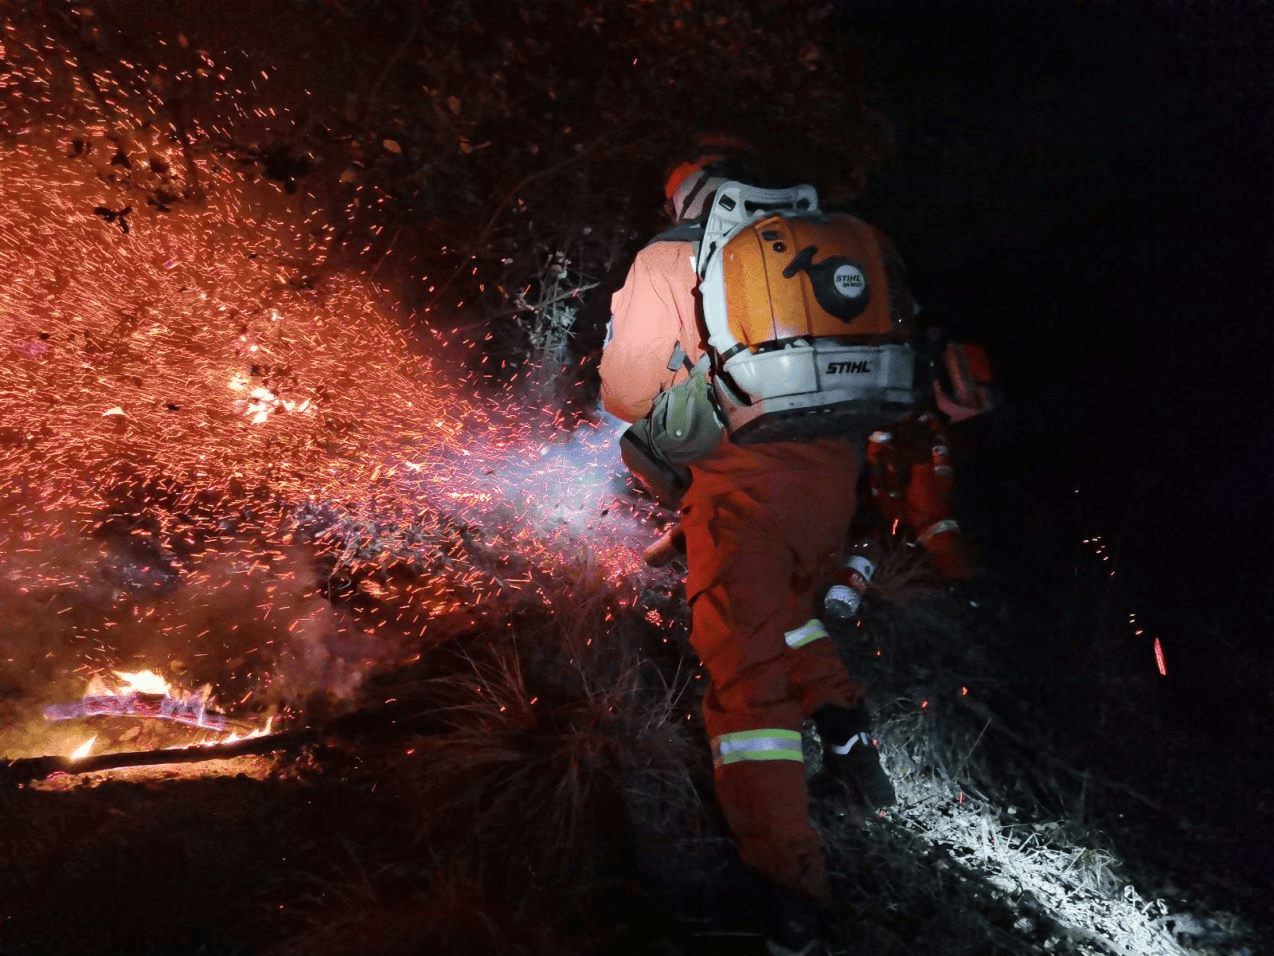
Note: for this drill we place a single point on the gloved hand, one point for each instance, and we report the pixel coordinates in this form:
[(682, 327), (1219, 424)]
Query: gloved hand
[(670, 544)]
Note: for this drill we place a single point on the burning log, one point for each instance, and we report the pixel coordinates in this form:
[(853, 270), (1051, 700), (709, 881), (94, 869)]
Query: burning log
[(28, 769), (189, 710), (398, 717)]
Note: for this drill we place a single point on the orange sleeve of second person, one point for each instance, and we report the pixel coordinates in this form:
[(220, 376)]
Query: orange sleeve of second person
[(652, 313)]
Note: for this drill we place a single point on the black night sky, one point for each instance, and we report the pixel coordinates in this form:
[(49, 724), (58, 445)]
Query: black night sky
[(1086, 187)]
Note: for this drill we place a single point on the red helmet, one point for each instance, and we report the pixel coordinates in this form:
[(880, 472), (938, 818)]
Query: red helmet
[(688, 185)]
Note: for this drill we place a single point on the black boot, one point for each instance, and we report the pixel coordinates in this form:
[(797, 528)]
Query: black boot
[(850, 755), (797, 925)]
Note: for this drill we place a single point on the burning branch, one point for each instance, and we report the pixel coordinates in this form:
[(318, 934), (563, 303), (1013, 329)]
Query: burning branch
[(185, 710), (28, 769), (393, 719)]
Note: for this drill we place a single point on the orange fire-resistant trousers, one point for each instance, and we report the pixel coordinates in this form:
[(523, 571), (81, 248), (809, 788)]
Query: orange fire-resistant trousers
[(913, 485), (762, 526)]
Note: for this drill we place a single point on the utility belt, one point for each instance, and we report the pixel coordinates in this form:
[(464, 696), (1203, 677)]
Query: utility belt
[(686, 423)]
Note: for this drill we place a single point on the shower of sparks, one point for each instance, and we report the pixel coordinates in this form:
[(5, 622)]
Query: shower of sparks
[(201, 426)]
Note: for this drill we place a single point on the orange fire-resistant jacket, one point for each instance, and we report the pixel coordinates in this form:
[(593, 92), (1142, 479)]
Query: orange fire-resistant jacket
[(762, 523), (652, 313)]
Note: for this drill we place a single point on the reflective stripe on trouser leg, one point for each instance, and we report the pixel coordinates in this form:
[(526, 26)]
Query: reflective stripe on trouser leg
[(811, 630), (770, 743), (946, 546), (937, 528)]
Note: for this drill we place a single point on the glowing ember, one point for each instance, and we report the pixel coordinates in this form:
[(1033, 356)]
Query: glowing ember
[(83, 749)]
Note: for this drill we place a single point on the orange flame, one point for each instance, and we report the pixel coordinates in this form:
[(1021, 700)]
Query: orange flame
[(144, 682)]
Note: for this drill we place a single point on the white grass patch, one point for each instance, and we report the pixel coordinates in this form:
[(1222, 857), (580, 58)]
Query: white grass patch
[(1048, 869)]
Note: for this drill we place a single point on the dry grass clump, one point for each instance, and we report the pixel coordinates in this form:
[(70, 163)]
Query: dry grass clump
[(558, 736), (551, 768), (903, 575), (448, 910), (994, 845), (541, 779), (942, 674)]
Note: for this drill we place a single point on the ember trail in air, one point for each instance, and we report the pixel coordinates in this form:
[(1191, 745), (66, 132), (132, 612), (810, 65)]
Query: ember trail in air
[(222, 461)]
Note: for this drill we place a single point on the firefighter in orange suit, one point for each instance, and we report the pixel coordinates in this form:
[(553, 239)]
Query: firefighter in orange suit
[(762, 523), (909, 464)]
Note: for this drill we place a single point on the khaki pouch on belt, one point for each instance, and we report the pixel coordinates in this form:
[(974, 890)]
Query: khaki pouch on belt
[(684, 424)]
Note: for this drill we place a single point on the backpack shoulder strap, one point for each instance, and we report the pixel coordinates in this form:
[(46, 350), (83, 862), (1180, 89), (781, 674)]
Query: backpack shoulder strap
[(682, 232)]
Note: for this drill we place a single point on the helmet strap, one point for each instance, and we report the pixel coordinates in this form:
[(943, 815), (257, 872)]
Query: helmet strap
[(702, 179)]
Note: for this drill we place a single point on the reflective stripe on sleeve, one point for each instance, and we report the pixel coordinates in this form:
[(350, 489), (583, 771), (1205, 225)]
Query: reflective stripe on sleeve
[(768, 744), (811, 630)]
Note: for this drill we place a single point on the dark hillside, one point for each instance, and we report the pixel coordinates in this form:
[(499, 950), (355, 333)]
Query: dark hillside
[(302, 307)]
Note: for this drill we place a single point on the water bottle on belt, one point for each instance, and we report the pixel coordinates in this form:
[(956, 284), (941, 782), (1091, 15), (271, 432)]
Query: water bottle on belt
[(845, 596)]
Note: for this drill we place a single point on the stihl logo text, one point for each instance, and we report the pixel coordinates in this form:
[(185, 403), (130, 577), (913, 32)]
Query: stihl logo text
[(848, 368)]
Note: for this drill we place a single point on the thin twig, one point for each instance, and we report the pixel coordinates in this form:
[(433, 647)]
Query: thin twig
[(499, 210), (1081, 775), (971, 749), (389, 65)]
